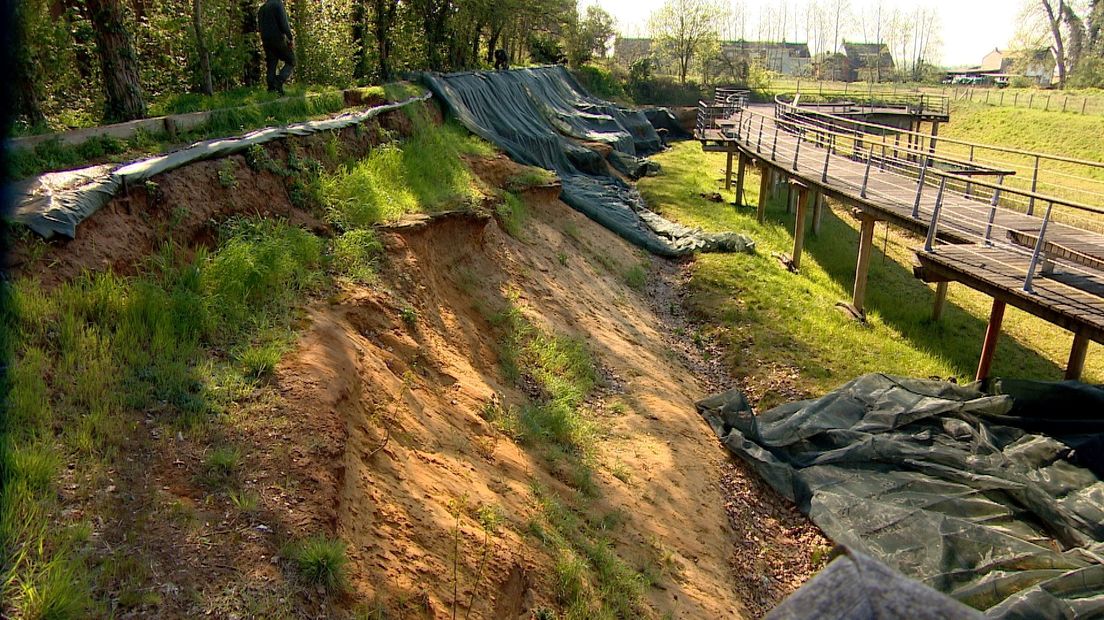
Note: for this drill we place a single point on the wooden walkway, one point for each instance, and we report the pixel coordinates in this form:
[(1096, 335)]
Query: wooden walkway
[(986, 247)]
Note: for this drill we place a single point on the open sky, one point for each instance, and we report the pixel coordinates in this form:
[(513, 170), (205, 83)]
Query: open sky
[(969, 28)]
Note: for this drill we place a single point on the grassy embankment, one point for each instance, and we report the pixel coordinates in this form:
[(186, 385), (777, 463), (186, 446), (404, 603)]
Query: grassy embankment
[(183, 342), (182, 347), (783, 329), (237, 111)]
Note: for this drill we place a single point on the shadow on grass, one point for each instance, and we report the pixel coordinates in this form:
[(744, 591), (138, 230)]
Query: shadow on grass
[(896, 297)]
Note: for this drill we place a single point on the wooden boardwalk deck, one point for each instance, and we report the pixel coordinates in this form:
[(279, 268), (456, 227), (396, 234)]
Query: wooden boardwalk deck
[(986, 248)]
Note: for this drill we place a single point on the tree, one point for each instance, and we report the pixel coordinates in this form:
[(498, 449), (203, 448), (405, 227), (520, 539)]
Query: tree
[(123, 99), (589, 36), (384, 14), (1067, 33), (683, 29), (201, 49)]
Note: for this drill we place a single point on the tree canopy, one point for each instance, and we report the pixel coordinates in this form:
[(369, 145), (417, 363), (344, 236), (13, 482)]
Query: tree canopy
[(82, 62)]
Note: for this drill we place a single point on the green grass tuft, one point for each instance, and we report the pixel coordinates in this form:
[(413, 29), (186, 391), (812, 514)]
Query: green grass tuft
[(320, 561), (512, 214)]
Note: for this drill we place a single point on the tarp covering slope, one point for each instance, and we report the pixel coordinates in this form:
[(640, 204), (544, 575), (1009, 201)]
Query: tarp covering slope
[(993, 499), (55, 203), (539, 116)]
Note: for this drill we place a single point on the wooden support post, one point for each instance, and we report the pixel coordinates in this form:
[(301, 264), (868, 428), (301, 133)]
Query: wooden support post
[(1077, 356), (764, 187), (741, 170), (818, 208), (940, 300), (862, 265), (992, 333), (728, 172), (799, 225)]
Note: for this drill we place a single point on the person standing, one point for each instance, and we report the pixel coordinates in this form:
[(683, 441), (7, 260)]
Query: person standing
[(276, 39)]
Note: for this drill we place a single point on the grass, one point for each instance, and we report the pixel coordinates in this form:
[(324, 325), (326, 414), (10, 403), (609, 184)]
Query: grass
[(512, 214), (319, 561), (177, 343), (236, 112), (91, 350), (589, 578), (783, 327), (423, 174)]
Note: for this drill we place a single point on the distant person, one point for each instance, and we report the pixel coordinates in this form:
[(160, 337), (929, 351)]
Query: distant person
[(501, 62), (276, 38)]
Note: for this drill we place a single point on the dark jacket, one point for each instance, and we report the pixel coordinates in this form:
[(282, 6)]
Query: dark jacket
[(272, 21)]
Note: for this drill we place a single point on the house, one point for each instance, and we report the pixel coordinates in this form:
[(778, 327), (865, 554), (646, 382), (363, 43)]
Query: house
[(785, 58), (869, 62), (1037, 65)]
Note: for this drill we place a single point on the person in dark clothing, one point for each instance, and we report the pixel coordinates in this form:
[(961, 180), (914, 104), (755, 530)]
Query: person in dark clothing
[(276, 38), (501, 62)]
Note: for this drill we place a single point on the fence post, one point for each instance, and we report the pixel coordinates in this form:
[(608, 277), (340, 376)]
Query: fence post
[(969, 186), (930, 241), (1047, 109), (1038, 250), (824, 175), (1065, 103), (1034, 186), (1084, 103), (774, 148), (797, 150), (1015, 100), (993, 210), (919, 189), (866, 175)]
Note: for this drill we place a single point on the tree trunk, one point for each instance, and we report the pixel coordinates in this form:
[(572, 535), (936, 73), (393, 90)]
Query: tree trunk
[(201, 49), (122, 90), (251, 73), (1054, 19), (385, 11), (360, 45)]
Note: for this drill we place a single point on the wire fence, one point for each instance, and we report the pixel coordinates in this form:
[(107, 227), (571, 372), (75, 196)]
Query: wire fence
[(1031, 99)]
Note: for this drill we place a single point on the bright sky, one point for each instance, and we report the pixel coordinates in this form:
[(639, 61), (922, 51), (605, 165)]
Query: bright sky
[(969, 29)]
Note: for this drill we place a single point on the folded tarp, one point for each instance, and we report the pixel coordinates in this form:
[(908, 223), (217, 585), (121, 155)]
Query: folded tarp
[(989, 497), (855, 586), (56, 202), (541, 117)]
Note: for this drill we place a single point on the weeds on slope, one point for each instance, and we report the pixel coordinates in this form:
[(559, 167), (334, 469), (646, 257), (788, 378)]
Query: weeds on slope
[(92, 350), (422, 174), (590, 579)]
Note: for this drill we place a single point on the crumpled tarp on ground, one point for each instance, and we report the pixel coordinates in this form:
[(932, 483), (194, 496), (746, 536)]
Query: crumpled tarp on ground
[(855, 586), (56, 202), (992, 498), (539, 117)]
